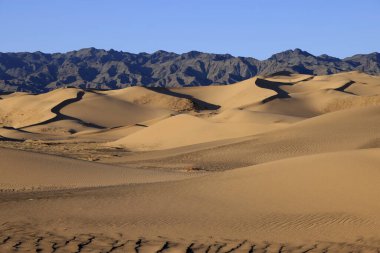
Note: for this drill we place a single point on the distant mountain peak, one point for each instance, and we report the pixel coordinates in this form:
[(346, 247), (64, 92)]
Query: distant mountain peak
[(299, 51), (192, 54), (290, 54)]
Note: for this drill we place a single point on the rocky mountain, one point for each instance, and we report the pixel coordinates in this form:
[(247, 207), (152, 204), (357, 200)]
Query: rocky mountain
[(96, 68)]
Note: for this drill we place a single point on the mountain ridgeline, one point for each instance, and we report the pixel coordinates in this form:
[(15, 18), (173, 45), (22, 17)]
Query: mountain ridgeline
[(96, 68)]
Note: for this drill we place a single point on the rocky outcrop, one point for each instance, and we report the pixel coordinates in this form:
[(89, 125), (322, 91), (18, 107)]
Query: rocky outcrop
[(96, 68)]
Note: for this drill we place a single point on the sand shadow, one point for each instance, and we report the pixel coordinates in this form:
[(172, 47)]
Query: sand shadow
[(16, 129), (344, 87), (3, 138), (275, 86), (60, 116), (199, 104)]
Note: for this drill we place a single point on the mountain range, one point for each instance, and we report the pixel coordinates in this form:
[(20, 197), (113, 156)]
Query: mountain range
[(88, 68)]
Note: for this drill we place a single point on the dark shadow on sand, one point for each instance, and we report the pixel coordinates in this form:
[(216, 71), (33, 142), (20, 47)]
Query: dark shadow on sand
[(199, 104), (275, 86), (59, 116)]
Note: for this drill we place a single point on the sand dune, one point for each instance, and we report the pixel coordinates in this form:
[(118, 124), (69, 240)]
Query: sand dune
[(337, 131), (230, 96), (282, 163), (96, 108), (15, 113), (69, 111), (321, 94)]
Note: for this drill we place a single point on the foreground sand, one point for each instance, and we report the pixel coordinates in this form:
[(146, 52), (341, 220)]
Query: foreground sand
[(317, 202), (277, 164)]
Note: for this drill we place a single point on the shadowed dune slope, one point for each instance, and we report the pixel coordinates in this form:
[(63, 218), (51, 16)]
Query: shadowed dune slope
[(23, 109)]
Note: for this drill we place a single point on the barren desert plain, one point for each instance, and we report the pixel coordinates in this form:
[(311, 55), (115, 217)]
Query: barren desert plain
[(280, 163)]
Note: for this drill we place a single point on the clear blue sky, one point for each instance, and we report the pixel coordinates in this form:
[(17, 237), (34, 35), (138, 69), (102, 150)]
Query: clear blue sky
[(256, 28)]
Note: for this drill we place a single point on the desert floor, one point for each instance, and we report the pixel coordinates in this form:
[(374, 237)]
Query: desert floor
[(272, 164)]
